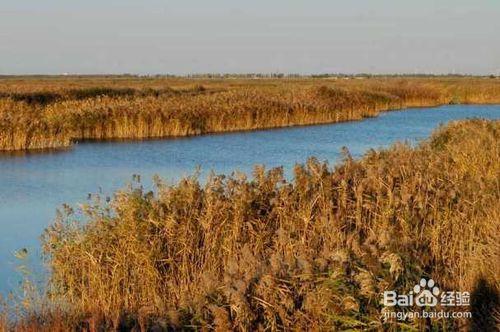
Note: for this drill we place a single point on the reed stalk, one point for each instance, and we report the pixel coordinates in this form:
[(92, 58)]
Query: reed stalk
[(313, 253)]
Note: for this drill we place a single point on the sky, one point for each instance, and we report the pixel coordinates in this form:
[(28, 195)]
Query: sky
[(233, 36)]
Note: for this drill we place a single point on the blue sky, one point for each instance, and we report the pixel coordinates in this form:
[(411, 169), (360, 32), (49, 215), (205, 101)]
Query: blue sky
[(193, 36)]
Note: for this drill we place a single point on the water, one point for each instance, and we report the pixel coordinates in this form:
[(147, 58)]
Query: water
[(34, 185)]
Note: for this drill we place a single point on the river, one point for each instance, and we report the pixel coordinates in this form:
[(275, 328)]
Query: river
[(33, 185)]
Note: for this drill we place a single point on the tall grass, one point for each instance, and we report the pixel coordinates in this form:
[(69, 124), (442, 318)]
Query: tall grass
[(264, 253), (48, 114)]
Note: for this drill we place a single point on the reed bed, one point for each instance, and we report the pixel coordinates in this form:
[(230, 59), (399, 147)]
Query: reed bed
[(264, 253), (51, 113)]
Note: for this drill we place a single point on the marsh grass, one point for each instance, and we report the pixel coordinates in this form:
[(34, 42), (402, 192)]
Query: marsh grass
[(37, 114), (264, 253)]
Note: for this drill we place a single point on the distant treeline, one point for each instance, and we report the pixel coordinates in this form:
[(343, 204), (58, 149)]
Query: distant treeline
[(276, 75)]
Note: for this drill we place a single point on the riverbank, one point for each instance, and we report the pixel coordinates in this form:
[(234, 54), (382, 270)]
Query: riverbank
[(43, 113), (313, 253)]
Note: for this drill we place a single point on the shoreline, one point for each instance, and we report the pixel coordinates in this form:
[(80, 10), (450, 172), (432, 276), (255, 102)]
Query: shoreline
[(76, 141), (49, 115)]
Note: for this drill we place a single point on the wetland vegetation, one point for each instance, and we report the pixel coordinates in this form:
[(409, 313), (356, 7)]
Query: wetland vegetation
[(265, 253), (53, 112)]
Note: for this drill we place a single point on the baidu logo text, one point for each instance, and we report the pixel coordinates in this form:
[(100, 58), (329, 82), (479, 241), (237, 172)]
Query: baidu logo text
[(426, 294)]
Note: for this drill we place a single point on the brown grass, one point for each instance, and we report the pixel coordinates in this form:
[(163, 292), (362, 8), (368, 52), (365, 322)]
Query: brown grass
[(50, 113), (267, 254)]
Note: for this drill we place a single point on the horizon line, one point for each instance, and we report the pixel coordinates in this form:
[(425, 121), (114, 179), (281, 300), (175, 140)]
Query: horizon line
[(250, 74)]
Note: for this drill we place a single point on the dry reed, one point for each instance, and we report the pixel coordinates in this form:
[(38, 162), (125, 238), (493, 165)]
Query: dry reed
[(267, 254), (50, 113)]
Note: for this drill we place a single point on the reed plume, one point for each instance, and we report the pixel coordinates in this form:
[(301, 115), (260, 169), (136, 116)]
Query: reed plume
[(266, 253), (37, 114)]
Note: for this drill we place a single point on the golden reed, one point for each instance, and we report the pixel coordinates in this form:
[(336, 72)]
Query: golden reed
[(40, 113), (314, 253)]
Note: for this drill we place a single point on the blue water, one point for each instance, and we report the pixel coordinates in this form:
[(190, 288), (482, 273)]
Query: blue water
[(34, 185)]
